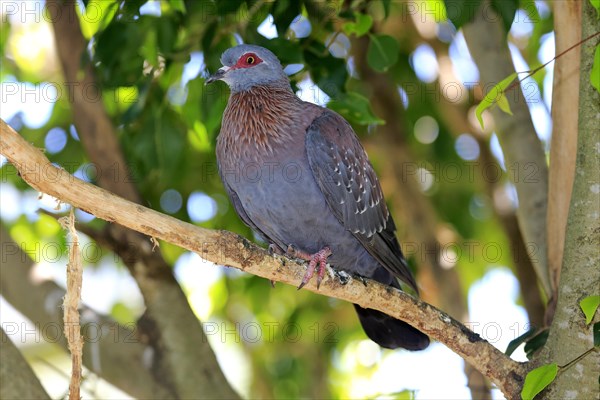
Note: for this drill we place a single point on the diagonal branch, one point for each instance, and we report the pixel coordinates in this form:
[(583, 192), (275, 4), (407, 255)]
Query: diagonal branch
[(227, 248)]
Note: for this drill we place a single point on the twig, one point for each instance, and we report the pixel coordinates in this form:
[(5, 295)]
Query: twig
[(577, 359), (118, 346), (562, 53), (227, 248), (71, 305)]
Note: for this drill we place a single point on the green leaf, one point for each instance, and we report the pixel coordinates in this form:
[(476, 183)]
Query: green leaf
[(438, 8), (595, 74), (284, 12), (117, 64), (596, 5), (495, 96), (328, 72), (122, 313), (460, 12), (150, 48), (386, 8), (96, 16), (536, 343), (503, 104), (383, 52), (178, 5), (228, 7), (538, 379), (512, 346), (507, 10), (403, 395), (355, 108), (360, 27), (287, 51), (589, 305)]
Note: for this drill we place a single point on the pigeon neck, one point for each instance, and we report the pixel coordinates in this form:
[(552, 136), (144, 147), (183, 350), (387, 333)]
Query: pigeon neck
[(277, 85), (260, 117)]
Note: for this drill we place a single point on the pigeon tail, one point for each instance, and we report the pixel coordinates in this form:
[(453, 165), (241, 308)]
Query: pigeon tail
[(387, 331), (390, 332)]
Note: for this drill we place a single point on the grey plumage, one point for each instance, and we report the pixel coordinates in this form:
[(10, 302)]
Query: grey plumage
[(297, 174)]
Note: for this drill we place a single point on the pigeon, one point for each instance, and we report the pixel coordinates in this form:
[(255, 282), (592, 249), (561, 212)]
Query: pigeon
[(297, 175)]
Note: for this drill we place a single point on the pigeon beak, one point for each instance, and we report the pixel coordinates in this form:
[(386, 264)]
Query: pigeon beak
[(217, 76)]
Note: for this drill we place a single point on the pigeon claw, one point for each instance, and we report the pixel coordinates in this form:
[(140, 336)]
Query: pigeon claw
[(315, 261), (274, 249)]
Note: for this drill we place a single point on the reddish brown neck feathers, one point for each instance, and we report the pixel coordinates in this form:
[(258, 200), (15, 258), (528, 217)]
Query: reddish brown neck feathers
[(260, 117)]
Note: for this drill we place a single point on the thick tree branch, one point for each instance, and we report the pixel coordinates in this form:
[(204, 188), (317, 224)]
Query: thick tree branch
[(95, 128), (523, 151), (18, 379), (227, 248), (186, 361), (113, 352), (570, 336), (563, 148)]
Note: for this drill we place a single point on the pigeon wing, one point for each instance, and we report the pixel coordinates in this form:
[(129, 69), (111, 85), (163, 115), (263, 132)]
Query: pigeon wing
[(352, 190)]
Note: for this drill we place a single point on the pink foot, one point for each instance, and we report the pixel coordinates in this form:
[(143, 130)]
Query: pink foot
[(319, 258)]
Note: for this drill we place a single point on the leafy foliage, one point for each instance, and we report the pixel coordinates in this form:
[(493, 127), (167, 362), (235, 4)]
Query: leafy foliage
[(383, 52), (150, 69)]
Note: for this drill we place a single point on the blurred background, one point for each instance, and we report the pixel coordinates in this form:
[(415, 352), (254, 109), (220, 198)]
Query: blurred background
[(400, 72)]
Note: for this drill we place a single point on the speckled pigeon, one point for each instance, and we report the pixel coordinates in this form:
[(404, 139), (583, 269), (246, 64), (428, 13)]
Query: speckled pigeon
[(298, 176)]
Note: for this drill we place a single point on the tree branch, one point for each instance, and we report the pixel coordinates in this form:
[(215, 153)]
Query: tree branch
[(186, 361), (18, 379), (523, 151), (113, 352), (227, 248), (570, 336), (563, 148)]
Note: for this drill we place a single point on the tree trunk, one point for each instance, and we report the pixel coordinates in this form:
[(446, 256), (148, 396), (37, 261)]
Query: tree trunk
[(570, 336), (565, 106)]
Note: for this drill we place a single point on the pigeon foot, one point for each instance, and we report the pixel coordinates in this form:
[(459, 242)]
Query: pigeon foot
[(317, 261)]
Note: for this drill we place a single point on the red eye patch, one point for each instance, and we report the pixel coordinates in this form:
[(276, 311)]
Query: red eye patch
[(247, 60)]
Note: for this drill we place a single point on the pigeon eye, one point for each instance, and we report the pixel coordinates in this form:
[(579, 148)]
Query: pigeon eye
[(250, 60)]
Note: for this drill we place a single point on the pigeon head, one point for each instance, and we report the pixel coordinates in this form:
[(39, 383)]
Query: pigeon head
[(246, 65)]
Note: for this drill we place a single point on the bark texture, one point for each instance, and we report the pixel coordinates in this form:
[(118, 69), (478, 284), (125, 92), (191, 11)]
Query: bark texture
[(563, 149), (570, 337)]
